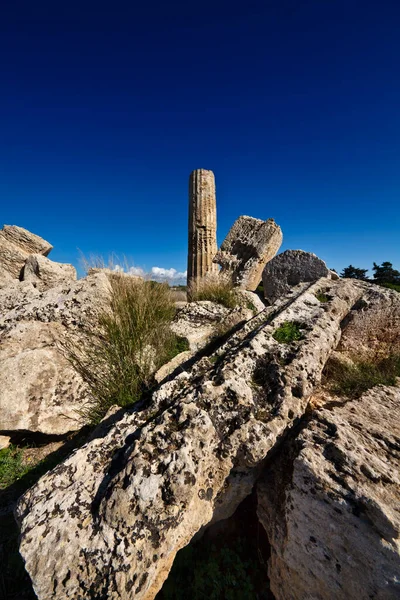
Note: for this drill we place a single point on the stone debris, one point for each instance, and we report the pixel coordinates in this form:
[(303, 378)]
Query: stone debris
[(16, 244), (73, 303), (330, 504), (247, 248), (45, 273), (288, 270), (372, 327), (39, 390), (109, 521), (201, 321), (173, 364), (202, 246)]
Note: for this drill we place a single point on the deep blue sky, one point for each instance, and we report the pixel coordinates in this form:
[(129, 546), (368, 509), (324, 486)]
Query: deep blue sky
[(106, 107)]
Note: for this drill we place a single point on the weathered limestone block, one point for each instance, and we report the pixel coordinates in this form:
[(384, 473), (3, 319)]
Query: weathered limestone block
[(202, 245), (372, 329), (45, 273), (173, 364), (16, 244), (39, 390), (201, 321), (330, 504), (249, 245), (109, 521), (72, 303), (24, 239), (251, 299), (16, 293), (288, 270)]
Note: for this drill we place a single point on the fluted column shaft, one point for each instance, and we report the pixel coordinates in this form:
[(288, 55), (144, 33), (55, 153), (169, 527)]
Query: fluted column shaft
[(202, 245)]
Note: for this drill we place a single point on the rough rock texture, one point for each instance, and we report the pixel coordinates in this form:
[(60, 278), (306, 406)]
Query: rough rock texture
[(39, 390), (72, 303), (4, 441), (202, 245), (173, 364), (45, 273), (15, 293), (331, 504), (107, 523), (252, 300), (199, 322), (372, 329), (249, 245), (288, 270), (16, 244), (333, 275)]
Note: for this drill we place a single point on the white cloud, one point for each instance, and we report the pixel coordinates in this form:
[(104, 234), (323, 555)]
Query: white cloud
[(156, 273), (160, 273), (136, 271)]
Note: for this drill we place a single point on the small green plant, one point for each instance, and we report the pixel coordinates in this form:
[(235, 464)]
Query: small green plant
[(216, 289), (288, 332), (118, 355), (352, 379), (322, 297), (12, 466), (212, 572)]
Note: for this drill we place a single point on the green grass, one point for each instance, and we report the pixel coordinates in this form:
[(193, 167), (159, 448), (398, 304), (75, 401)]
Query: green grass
[(12, 467), (177, 345), (288, 332), (215, 289), (322, 297), (215, 574), (118, 356), (354, 379)]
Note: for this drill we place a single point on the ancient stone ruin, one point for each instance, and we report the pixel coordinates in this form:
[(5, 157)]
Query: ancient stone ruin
[(245, 414), (249, 245), (202, 245), (288, 270), (16, 244)]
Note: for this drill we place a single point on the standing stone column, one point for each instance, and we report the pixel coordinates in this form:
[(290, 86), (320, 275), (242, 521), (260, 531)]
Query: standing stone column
[(202, 226)]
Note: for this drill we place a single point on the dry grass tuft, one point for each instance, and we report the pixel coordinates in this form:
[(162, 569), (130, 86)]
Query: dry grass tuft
[(118, 355), (352, 379), (215, 288)]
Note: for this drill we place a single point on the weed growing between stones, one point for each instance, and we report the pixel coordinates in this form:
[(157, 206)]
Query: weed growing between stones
[(322, 297), (216, 289), (352, 379), (228, 563), (12, 466), (118, 356), (288, 332)]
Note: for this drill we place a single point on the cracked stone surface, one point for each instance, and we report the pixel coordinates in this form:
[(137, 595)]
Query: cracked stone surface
[(45, 273), (331, 503), (108, 522), (39, 390), (288, 269), (16, 244), (249, 245)]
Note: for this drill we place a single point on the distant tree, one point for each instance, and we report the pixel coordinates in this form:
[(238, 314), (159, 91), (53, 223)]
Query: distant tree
[(385, 273), (354, 273)]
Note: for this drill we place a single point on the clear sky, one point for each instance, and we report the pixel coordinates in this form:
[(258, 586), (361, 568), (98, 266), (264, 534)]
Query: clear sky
[(106, 107)]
